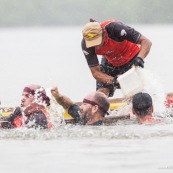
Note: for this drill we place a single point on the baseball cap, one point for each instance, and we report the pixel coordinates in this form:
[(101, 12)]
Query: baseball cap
[(142, 101), (92, 33)]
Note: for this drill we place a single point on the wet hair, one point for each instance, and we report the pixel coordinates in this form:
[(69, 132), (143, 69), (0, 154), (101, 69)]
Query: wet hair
[(103, 102), (144, 112), (142, 104)]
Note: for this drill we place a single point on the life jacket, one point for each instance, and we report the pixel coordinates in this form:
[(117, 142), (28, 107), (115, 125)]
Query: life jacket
[(49, 124), (18, 122), (117, 53)]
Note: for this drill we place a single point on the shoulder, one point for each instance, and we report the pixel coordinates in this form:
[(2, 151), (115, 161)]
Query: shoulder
[(74, 111), (73, 108), (16, 113), (87, 51), (115, 26), (122, 31)]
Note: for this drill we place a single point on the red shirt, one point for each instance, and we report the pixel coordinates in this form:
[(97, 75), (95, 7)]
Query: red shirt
[(123, 37), (117, 53)]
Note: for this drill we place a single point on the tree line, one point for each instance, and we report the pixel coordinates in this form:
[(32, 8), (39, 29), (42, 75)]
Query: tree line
[(78, 12)]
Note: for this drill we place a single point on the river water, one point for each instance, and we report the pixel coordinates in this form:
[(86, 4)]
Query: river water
[(120, 148), (52, 56)]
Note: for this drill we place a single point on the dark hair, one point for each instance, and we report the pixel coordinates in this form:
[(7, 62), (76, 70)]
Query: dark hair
[(103, 102), (142, 104), (144, 112)]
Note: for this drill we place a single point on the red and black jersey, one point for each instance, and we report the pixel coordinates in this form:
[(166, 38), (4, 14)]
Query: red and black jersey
[(120, 44)]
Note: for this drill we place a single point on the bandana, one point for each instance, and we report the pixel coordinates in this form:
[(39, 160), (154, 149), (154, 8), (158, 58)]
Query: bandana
[(39, 94), (28, 90)]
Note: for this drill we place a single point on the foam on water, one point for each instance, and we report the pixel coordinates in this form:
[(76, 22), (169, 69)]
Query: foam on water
[(120, 130), (56, 111)]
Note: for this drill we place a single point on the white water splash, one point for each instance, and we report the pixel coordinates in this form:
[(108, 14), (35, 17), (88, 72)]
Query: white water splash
[(154, 87), (56, 111), (151, 85)]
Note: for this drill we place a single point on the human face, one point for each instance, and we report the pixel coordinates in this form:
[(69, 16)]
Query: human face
[(88, 109), (28, 103), (27, 99)]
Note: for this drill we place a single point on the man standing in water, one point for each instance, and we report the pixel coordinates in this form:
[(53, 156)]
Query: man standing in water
[(121, 47), (92, 110), (32, 113)]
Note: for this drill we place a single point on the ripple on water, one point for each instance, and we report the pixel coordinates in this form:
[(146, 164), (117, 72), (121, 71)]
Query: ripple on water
[(121, 130)]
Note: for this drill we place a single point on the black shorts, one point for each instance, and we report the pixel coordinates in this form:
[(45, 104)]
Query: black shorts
[(110, 70)]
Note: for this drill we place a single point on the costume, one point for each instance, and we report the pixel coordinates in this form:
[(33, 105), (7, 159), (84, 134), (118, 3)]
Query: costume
[(118, 50), (39, 119)]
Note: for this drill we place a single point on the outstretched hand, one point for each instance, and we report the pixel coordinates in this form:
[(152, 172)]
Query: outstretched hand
[(61, 99), (55, 92)]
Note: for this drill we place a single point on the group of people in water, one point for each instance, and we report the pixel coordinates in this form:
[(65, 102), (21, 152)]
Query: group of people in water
[(33, 111), (122, 47)]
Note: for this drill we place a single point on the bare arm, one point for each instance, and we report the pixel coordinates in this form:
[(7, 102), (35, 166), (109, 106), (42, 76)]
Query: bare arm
[(99, 76), (61, 99), (145, 46)]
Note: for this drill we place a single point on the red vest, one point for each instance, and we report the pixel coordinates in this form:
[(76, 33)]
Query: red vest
[(117, 53), (18, 122)]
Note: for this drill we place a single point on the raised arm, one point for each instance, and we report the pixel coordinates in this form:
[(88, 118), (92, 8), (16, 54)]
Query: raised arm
[(61, 99)]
